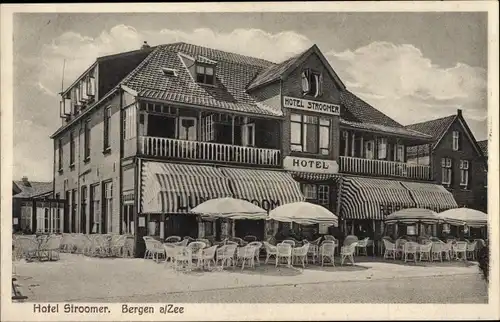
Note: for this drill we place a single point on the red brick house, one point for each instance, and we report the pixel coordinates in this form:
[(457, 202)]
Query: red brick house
[(457, 159)]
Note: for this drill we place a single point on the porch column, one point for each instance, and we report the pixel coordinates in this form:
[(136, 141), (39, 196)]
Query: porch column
[(346, 147), (362, 151), (353, 145), (232, 129), (431, 162), (198, 128)]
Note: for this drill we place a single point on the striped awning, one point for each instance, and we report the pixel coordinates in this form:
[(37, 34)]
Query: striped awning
[(364, 198), (177, 188), (431, 196), (266, 188), (314, 177)]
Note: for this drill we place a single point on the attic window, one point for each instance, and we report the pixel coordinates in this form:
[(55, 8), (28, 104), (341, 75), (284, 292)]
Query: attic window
[(312, 83), (205, 74), (169, 72)]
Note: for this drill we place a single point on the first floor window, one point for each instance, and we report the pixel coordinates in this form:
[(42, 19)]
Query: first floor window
[(310, 191), (319, 194), (248, 134), (83, 210), (382, 148), (446, 171), (369, 149), (324, 195), (309, 134), (86, 139), (128, 218), (26, 217), (95, 210), (464, 173), (74, 208), (399, 153), (186, 127)]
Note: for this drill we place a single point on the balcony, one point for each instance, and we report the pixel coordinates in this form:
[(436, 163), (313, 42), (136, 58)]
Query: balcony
[(208, 151), (380, 168)]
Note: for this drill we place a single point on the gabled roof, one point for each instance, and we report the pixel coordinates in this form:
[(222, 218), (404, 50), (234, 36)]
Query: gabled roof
[(233, 72), (436, 128), (31, 189), (483, 145), (385, 129), (280, 71)]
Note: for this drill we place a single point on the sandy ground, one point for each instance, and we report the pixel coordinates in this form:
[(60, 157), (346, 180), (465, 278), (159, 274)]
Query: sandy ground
[(80, 278)]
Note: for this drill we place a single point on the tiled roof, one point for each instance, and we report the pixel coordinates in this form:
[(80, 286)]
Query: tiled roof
[(435, 128), (233, 73), (483, 145), (385, 129), (36, 188), (356, 110), (274, 72)]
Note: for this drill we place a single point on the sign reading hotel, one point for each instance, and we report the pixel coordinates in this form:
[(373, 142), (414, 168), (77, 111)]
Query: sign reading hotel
[(311, 106), (310, 165)]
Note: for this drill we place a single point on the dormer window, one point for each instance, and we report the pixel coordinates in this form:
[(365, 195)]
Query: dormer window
[(205, 74), (312, 83)]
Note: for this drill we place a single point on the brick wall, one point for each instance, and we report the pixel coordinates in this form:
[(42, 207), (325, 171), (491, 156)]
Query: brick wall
[(472, 197), (100, 167)]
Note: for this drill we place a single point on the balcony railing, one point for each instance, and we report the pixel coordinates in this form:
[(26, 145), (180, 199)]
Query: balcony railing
[(208, 151), (382, 168)]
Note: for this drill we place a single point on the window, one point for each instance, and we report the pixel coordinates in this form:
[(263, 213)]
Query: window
[(74, 100), (129, 122), (324, 195), (95, 210), (60, 154), (128, 219), (369, 149), (83, 210), (446, 171), (464, 173), (207, 128), (108, 207), (72, 149), (248, 134), (26, 216), (310, 191), (399, 153), (382, 148), (186, 128), (86, 140), (205, 74), (312, 83), (456, 140), (305, 131), (107, 124), (73, 211)]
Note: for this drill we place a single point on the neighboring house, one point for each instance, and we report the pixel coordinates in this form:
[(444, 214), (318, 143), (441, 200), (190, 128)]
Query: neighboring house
[(180, 124), (457, 159), (483, 145), (33, 208)]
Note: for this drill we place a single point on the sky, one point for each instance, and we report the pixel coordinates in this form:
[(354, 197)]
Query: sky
[(411, 66)]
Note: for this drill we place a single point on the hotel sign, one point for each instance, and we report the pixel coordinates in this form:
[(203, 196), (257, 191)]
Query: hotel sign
[(310, 165), (311, 106)]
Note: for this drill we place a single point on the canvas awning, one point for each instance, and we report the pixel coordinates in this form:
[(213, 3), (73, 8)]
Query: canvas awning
[(266, 188), (430, 196), (315, 177), (364, 198), (177, 188)]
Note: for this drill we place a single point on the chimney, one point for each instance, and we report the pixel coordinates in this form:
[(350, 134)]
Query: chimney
[(459, 112), (26, 183), (145, 45)]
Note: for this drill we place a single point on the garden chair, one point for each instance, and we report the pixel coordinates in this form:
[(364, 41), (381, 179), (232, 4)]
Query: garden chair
[(182, 258), (471, 250), (271, 251), (173, 239), (289, 242), (66, 243), (400, 247), (327, 251), (362, 245), (437, 251), (182, 243), (246, 254), (425, 251), (154, 249), (189, 239), (284, 252), (225, 255), (446, 250), (170, 250), (348, 252), (237, 240), (329, 237), (208, 256), (258, 246), (50, 248), (460, 250), (117, 245), (350, 239), (389, 249), (299, 254), (196, 248), (204, 240), (271, 240), (410, 248), (26, 247)]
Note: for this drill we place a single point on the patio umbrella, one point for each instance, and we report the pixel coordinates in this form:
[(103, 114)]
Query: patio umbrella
[(464, 216), (304, 213), (230, 208), (412, 216)]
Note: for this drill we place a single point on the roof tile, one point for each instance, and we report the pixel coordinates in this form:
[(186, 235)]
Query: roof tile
[(36, 188), (483, 145)]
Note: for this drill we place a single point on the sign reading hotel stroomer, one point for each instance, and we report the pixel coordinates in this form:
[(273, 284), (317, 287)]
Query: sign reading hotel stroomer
[(310, 165), (311, 106)]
